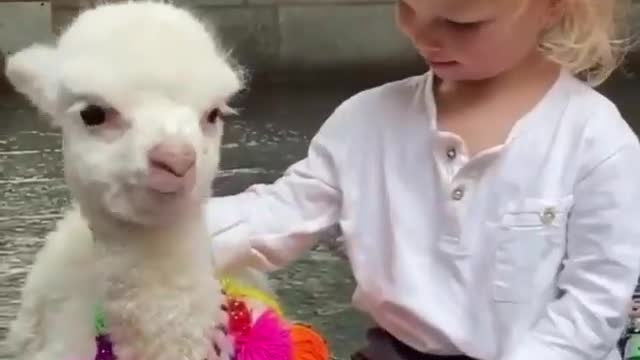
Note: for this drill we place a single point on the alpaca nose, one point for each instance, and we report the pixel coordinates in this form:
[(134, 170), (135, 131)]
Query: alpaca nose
[(171, 167), (174, 157)]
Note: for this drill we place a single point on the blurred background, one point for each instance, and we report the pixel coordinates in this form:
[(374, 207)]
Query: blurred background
[(304, 57)]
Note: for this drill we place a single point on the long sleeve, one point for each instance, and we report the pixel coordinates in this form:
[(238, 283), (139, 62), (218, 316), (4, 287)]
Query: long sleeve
[(269, 225), (601, 268)]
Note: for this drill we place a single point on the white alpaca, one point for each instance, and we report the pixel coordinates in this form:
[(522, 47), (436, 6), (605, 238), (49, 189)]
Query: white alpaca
[(137, 89)]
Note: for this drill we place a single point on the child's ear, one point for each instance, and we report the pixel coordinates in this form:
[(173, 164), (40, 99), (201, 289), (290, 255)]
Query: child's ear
[(33, 72)]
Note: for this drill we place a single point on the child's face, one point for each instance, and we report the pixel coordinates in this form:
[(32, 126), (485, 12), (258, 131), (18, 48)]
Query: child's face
[(474, 39)]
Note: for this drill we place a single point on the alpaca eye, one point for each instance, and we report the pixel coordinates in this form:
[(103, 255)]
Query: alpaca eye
[(213, 116), (93, 115)]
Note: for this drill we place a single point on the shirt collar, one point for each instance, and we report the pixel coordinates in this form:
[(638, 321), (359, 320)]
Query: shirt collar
[(550, 106)]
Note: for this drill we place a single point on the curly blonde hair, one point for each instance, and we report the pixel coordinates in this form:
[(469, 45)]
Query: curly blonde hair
[(591, 39)]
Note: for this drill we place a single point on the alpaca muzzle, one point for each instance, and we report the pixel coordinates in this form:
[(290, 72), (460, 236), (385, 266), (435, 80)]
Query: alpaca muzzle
[(171, 167)]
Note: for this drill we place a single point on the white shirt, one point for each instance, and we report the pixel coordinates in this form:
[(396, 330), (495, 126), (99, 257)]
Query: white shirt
[(529, 251)]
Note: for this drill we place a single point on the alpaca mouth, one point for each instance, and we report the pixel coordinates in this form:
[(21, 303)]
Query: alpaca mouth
[(162, 166), (165, 181)]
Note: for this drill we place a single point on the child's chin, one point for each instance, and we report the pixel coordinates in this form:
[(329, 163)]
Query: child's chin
[(459, 72)]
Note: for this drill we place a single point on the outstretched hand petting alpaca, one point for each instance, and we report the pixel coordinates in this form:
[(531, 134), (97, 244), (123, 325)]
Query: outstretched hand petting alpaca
[(138, 90)]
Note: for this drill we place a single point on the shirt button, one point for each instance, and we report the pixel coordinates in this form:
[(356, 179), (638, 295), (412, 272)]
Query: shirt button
[(451, 153), (547, 216), (458, 193)]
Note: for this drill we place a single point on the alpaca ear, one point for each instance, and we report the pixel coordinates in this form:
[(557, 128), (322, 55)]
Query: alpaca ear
[(32, 72)]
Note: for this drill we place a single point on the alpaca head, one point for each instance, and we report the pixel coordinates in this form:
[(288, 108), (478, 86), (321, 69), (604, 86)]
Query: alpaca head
[(138, 89)]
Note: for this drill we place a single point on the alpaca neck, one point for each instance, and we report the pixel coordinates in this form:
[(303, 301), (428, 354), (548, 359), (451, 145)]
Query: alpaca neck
[(184, 240), (158, 290)]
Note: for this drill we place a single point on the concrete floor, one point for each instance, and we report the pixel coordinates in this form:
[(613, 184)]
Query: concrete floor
[(271, 132)]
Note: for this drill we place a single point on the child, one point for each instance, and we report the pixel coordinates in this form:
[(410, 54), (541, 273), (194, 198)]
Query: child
[(489, 207)]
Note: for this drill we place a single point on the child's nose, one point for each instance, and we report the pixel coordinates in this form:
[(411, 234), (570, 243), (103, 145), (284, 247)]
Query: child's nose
[(429, 41), (429, 34)]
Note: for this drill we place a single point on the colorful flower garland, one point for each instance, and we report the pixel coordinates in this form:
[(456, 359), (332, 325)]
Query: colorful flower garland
[(256, 327)]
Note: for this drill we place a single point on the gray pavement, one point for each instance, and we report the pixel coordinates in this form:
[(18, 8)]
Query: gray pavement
[(271, 132)]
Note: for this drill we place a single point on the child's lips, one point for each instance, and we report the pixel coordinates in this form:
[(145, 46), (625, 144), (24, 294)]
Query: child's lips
[(443, 63), (436, 59)]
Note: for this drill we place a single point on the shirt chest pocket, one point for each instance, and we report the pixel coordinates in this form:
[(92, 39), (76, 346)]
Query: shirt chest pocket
[(530, 239)]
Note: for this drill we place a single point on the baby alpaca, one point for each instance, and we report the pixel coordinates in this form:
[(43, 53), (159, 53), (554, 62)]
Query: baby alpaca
[(138, 90)]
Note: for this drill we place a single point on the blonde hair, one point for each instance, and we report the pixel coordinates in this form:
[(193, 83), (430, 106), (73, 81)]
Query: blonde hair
[(591, 38)]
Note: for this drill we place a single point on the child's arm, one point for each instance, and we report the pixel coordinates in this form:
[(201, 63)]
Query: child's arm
[(268, 226), (601, 269)]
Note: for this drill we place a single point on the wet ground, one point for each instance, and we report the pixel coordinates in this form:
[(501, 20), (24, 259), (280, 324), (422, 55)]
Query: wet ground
[(271, 132)]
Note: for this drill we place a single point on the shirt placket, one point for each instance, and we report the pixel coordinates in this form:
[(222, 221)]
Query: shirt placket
[(451, 157), (459, 178)]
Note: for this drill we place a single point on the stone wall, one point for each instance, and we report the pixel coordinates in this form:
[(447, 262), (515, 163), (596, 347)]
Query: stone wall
[(299, 36), (306, 36), (634, 57)]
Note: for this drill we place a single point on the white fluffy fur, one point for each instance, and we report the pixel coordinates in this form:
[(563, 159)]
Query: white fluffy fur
[(145, 256)]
